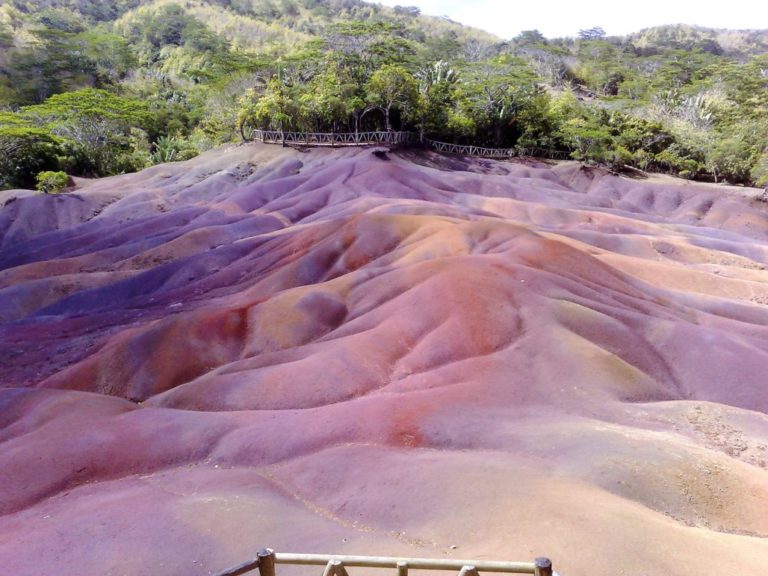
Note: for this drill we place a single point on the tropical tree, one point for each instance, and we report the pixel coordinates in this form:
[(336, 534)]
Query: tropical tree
[(437, 89), (24, 152), (392, 87), (272, 109), (595, 33), (493, 93), (93, 124), (330, 99)]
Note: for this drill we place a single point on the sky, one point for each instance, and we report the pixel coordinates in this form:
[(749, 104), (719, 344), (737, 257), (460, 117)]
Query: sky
[(558, 18)]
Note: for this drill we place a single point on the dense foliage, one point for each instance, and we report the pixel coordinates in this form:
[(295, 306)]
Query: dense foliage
[(50, 182), (95, 88)]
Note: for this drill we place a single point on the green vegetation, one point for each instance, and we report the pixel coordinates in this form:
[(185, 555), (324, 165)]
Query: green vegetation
[(50, 182), (25, 150), (94, 88)]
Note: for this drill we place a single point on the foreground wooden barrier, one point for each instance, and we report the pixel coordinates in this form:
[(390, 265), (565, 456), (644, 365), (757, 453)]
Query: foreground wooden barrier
[(267, 559)]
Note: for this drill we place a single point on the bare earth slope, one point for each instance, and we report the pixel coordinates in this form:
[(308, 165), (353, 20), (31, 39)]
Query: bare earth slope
[(332, 351)]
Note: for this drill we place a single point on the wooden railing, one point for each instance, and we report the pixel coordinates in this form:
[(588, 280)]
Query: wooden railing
[(333, 139), (499, 153), (496, 153), (340, 139), (545, 153), (267, 559)]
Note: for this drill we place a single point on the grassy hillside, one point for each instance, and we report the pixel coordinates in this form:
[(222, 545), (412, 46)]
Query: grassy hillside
[(739, 44), (164, 80)]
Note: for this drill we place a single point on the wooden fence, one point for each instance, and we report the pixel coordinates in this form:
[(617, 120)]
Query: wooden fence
[(341, 139), (333, 139), (267, 559), (447, 148), (545, 153)]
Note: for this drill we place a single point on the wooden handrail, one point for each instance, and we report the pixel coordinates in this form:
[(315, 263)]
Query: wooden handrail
[(335, 565), (333, 139)]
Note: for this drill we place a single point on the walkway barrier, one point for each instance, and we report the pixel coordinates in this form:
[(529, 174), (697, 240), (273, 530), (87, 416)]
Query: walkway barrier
[(266, 561), (499, 153), (334, 139), (341, 139), (545, 153)]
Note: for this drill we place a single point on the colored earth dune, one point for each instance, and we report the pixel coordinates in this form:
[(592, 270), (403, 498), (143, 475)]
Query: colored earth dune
[(335, 351)]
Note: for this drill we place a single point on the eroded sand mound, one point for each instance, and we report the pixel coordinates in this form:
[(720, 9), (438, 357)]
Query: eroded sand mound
[(335, 352)]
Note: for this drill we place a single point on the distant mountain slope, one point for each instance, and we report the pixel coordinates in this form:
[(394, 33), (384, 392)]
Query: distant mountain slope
[(680, 99), (236, 18), (736, 43), (96, 10)]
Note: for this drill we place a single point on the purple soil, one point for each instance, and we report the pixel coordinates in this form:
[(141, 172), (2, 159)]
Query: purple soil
[(417, 355)]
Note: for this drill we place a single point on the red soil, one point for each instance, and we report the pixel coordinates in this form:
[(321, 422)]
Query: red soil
[(334, 352)]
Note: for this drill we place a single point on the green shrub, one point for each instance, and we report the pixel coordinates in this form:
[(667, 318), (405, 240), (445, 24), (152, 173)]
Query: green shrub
[(642, 159), (618, 157), (676, 160), (172, 149), (50, 182), (760, 170), (25, 151)]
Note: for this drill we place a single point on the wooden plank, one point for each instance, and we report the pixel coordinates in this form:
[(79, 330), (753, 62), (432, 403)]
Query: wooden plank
[(240, 569)]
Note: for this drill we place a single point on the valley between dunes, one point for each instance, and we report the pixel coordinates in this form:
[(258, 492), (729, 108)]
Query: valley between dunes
[(337, 352)]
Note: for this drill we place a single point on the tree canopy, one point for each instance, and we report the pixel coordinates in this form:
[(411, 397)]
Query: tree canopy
[(100, 88)]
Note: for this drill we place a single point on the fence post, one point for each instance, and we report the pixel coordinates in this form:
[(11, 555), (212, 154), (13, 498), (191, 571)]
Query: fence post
[(330, 568), (339, 569), (266, 562), (543, 567)]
